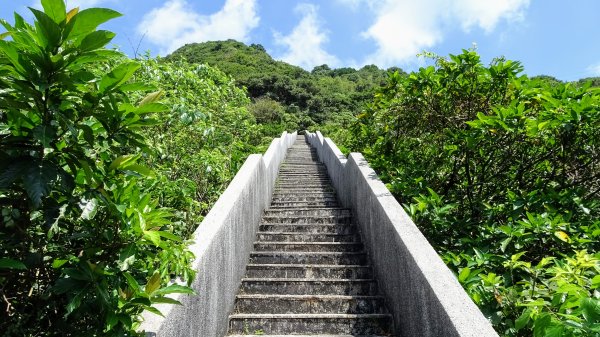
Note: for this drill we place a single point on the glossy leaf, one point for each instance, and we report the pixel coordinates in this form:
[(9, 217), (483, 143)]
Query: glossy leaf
[(55, 9), (117, 76), (87, 20)]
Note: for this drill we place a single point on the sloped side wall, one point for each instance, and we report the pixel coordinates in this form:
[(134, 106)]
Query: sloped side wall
[(421, 292), (223, 242)]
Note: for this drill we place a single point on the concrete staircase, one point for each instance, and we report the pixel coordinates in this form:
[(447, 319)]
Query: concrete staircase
[(308, 274)]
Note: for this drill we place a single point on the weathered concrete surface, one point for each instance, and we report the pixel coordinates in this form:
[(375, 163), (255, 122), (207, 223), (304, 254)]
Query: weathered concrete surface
[(308, 273), (424, 296), (223, 242)]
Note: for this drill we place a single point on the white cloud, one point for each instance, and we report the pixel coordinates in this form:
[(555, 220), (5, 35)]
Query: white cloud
[(404, 28), (176, 23), (594, 69), (305, 43), (487, 14)]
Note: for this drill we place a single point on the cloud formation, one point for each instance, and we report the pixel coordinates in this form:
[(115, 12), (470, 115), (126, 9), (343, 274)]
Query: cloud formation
[(176, 23), (305, 43), (594, 69), (403, 28)]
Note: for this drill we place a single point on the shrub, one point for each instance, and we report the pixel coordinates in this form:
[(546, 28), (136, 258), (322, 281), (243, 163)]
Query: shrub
[(501, 173), (84, 249)]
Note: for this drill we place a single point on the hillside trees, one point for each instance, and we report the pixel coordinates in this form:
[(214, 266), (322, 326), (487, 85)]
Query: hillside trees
[(84, 248), (502, 175), (202, 139), (320, 94)]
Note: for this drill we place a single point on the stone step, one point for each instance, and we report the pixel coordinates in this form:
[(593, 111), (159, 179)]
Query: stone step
[(308, 304), (301, 173), (307, 228), (279, 257), (303, 286), (326, 196), (300, 237), (303, 170), (306, 159), (303, 167), (308, 185), (303, 189), (308, 271), (319, 335), (310, 212), (288, 179), (307, 219), (304, 204), (271, 246), (302, 324), (303, 194)]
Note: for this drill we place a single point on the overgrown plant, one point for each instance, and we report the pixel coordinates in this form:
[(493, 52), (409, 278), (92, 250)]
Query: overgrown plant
[(84, 249), (202, 139), (501, 173)]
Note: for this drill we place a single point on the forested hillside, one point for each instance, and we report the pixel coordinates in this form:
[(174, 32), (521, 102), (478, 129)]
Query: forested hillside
[(320, 95), (108, 164)]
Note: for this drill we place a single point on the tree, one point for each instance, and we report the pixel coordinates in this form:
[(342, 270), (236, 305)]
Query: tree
[(83, 248)]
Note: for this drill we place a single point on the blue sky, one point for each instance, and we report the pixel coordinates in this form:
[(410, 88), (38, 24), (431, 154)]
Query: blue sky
[(553, 37)]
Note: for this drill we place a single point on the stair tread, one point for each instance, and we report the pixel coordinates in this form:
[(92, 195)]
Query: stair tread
[(284, 279), (309, 243), (319, 335), (269, 252), (296, 233), (301, 316), (310, 209), (308, 265), (316, 296)]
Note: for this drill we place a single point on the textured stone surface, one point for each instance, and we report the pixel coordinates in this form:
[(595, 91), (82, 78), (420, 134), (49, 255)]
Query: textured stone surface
[(309, 273), (422, 293)]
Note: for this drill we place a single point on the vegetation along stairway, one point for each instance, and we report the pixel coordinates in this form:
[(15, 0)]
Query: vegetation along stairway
[(308, 273)]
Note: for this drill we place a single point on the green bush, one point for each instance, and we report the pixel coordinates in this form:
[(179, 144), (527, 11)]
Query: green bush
[(203, 138), (84, 249), (501, 173)]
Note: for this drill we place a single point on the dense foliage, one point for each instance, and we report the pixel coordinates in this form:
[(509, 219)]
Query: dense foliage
[(201, 140), (502, 175), (311, 97), (84, 247)]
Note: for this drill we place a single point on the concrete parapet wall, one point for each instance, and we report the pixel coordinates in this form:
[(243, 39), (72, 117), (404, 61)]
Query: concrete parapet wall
[(422, 293), (222, 245)]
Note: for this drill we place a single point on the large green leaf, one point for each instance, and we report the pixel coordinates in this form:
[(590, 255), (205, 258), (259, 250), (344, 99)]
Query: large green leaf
[(49, 30), (38, 181), (44, 134), (95, 40), (8, 50), (153, 283), (55, 9), (12, 172), (88, 20), (174, 288), (6, 263), (591, 310), (118, 76)]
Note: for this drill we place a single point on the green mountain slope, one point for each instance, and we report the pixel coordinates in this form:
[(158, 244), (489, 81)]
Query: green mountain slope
[(320, 93)]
